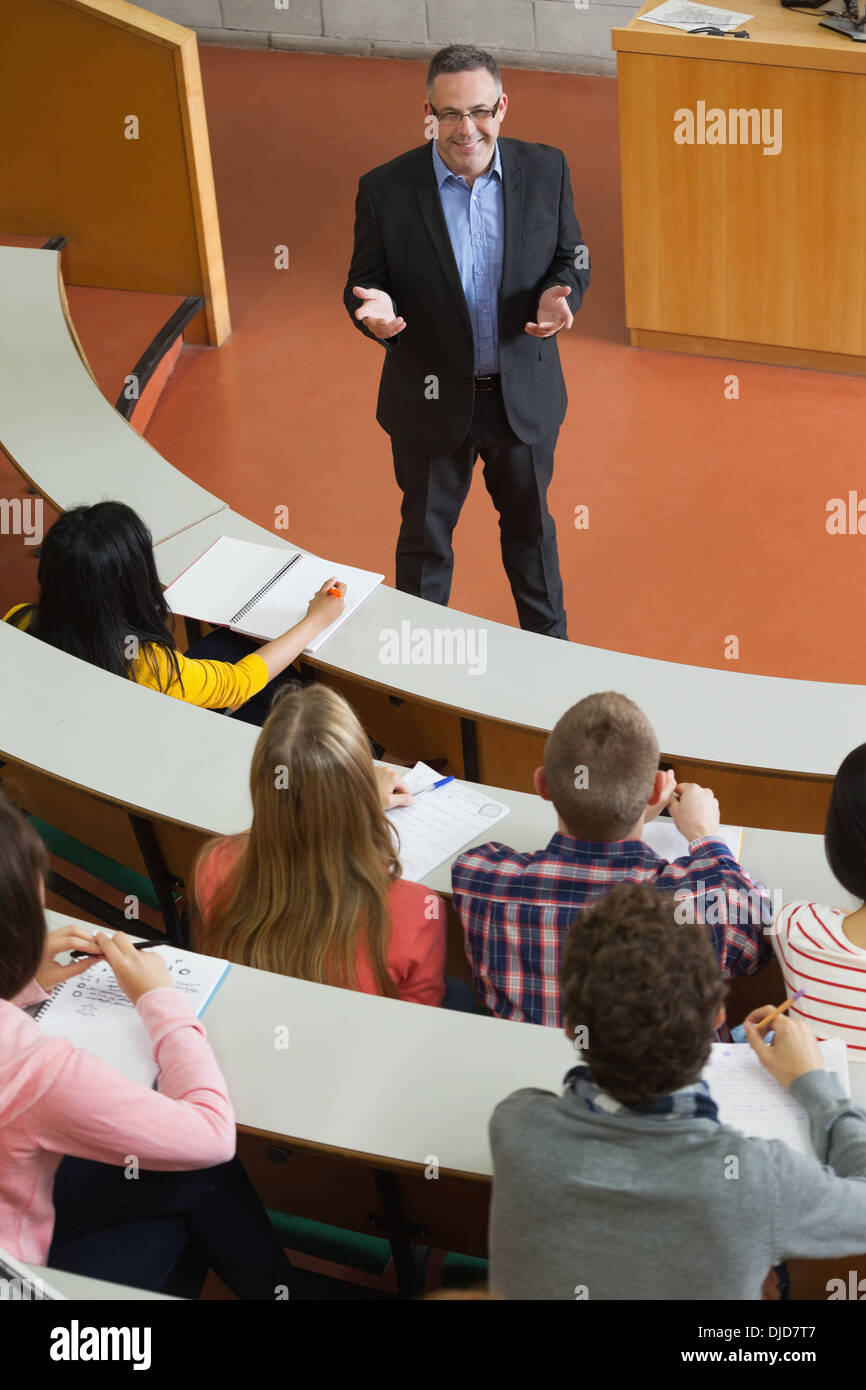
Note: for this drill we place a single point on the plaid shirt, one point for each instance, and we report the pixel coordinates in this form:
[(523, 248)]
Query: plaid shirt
[(515, 910)]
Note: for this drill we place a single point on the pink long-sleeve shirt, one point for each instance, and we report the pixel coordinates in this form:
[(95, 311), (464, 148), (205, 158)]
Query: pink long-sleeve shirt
[(57, 1100)]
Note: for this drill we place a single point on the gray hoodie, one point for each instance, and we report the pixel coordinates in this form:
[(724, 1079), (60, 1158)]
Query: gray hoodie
[(629, 1206)]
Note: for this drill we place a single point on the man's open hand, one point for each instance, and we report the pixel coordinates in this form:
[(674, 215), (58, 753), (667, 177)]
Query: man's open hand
[(377, 313), (553, 313)]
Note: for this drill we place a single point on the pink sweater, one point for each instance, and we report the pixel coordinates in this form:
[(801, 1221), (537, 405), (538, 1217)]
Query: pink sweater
[(56, 1100)]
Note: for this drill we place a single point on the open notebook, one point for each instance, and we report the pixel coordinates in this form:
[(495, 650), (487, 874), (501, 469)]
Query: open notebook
[(261, 591), (92, 1011), (751, 1100)]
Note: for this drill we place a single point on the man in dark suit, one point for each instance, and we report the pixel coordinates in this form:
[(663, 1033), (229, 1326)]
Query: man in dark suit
[(468, 261)]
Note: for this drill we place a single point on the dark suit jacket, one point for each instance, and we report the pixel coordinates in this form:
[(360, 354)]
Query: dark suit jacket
[(402, 246)]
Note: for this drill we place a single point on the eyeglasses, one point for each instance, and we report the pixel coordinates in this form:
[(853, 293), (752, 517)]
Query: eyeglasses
[(476, 115)]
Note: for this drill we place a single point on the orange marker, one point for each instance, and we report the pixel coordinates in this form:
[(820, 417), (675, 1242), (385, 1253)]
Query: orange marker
[(335, 591)]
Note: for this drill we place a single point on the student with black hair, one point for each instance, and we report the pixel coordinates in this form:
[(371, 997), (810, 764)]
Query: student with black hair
[(191, 1205), (822, 950), (100, 599), (627, 1185)]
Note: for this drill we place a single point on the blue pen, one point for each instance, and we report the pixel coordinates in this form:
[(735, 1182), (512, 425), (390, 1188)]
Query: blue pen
[(443, 782)]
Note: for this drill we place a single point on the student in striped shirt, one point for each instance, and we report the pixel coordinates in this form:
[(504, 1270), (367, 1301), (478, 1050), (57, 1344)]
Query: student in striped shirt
[(601, 771), (822, 950)]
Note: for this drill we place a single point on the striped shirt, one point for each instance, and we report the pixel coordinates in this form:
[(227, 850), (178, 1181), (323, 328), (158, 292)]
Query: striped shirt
[(515, 910), (816, 956)]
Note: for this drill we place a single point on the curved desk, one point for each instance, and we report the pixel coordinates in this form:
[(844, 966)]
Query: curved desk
[(181, 767), (57, 427), (768, 746)]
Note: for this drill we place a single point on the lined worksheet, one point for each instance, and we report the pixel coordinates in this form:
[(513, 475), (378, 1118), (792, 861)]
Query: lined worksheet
[(669, 843), (440, 822), (92, 1011), (751, 1100)]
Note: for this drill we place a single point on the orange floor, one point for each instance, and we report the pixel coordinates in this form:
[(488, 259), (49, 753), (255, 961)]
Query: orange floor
[(707, 516)]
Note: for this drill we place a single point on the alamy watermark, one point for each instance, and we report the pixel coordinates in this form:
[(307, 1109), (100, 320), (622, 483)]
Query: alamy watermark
[(736, 126), (22, 516), (437, 646), (717, 905)]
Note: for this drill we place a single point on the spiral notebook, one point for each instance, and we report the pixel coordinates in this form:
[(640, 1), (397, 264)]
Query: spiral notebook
[(92, 1011), (261, 591)]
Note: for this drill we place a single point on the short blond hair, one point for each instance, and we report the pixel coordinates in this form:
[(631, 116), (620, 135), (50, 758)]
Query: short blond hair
[(600, 762)]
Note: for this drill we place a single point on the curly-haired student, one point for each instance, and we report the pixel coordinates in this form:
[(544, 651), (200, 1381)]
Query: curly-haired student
[(628, 1185)]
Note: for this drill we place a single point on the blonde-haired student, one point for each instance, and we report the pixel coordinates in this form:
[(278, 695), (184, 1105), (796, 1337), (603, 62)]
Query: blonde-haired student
[(313, 888), (70, 1124), (101, 600)]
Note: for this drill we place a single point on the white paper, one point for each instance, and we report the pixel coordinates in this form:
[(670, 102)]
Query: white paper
[(92, 1011), (669, 843), (223, 580), (682, 14), (751, 1100), (441, 822), (31, 1285)]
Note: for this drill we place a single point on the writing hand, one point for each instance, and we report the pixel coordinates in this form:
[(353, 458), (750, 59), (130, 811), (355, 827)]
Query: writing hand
[(137, 972), (794, 1050), (392, 788), (326, 606)]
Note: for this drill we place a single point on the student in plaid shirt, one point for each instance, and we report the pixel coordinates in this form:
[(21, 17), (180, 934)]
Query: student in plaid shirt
[(601, 773)]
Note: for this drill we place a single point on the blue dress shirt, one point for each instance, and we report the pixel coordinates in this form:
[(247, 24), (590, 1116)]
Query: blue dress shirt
[(476, 224)]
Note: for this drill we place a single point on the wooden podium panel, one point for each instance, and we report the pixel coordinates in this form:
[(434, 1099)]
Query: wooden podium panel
[(105, 142), (731, 251)]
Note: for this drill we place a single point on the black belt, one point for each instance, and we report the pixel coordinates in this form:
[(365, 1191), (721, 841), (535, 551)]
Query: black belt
[(486, 383)]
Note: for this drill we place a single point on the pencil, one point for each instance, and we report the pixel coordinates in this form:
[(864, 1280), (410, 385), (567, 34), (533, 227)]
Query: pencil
[(138, 945), (781, 1009)]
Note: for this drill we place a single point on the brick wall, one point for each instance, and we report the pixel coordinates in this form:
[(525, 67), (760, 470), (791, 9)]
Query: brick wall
[(558, 35)]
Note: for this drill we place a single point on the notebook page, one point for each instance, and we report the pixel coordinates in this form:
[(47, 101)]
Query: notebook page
[(441, 823), (751, 1100), (92, 1011), (287, 601), (224, 578), (669, 843)]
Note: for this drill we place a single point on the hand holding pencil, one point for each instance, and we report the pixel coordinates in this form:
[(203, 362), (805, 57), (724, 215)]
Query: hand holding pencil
[(794, 1050)]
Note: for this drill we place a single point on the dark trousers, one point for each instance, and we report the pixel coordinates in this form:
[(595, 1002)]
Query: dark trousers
[(163, 1231), (517, 477), (224, 645)]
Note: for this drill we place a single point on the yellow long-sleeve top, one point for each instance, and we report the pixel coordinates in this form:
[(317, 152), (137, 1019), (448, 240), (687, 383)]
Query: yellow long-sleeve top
[(211, 684)]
